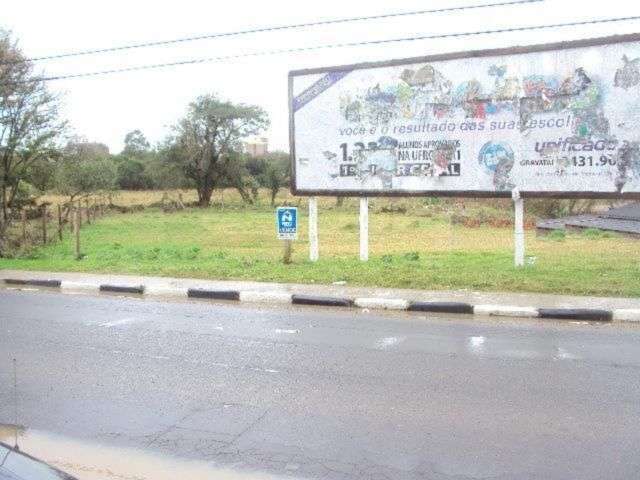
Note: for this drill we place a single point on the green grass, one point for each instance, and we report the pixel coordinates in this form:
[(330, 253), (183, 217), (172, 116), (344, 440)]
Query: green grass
[(410, 251), (596, 233), (556, 236)]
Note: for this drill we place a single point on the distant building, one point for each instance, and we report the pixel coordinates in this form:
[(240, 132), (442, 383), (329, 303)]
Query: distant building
[(256, 147)]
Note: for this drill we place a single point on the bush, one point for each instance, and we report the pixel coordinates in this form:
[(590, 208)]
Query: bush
[(131, 175), (386, 259), (555, 208), (556, 235), (26, 195), (413, 256), (596, 234), (393, 208)]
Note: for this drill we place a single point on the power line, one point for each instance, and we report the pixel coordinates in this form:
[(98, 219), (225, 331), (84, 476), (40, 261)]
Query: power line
[(332, 45), (269, 29), (326, 46)]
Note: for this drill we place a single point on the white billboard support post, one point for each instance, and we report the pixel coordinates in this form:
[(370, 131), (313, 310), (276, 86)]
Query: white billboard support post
[(313, 229), (518, 227), (364, 229)]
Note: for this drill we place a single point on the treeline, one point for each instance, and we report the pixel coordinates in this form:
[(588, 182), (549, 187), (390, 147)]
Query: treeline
[(203, 150), (82, 168)]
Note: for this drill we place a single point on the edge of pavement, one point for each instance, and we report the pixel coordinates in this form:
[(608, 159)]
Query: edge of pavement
[(523, 305)]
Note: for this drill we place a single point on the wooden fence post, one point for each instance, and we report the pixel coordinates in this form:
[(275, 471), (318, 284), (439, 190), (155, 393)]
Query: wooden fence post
[(24, 226), (288, 250), (86, 209), (59, 222), (76, 232), (44, 225)]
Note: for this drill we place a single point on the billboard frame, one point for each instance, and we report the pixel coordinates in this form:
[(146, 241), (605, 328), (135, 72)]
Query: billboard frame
[(515, 50)]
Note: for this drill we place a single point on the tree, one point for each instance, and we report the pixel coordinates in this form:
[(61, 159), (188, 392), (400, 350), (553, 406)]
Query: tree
[(277, 172), (274, 181), (208, 138), (135, 164), (135, 144), (271, 170), (29, 123), (83, 170), (131, 175), (40, 173)]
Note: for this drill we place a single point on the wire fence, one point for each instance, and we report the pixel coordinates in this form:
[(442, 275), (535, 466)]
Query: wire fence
[(36, 226)]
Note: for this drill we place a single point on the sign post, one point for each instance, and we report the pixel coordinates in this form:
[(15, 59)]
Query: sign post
[(364, 229), (313, 229), (287, 229)]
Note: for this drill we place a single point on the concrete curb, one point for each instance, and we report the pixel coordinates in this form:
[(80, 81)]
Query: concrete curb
[(213, 294), (34, 283), (374, 303), (626, 315), (136, 289), (81, 286), (160, 291), (584, 314), (265, 297), (440, 307), (321, 301), (505, 311), (382, 303)]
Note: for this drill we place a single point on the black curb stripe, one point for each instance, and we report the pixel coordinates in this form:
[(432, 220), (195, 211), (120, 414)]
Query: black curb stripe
[(440, 307), (35, 283), (139, 289), (589, 314), (214, 294), (325, 301), (45, 283)]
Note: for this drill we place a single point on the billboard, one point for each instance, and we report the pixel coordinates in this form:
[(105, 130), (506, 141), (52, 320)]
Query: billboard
[(559, 120)]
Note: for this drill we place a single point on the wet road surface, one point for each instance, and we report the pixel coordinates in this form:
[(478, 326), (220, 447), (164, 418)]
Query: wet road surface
[(308, 393)]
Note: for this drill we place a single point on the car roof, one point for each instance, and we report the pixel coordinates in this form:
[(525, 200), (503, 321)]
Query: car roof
[(16, 465)]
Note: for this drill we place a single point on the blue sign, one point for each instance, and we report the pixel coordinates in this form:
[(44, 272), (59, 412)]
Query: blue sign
[(287, 223)]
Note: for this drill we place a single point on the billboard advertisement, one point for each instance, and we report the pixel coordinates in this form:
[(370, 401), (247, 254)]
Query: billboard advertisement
[(558, 120)]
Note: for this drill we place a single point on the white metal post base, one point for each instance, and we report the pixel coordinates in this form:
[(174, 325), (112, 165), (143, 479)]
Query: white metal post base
[(518, 228)]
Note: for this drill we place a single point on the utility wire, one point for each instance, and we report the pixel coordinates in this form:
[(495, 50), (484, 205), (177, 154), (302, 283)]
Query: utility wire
[(270, 29), (328, 46)]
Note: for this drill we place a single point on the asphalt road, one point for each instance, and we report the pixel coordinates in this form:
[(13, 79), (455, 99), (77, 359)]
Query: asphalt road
[(334, 394)]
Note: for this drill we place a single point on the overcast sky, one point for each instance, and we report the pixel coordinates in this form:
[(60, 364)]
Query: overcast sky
[(105, 108)]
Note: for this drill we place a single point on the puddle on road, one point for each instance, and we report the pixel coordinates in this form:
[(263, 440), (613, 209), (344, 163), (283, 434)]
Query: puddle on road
[(92, 461)]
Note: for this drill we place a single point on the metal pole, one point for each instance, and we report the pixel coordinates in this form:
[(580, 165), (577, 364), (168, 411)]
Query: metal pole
[(518, 205), (313, 229), (364, 229)]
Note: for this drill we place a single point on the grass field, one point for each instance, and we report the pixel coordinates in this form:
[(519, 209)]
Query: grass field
[(413, 244)]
